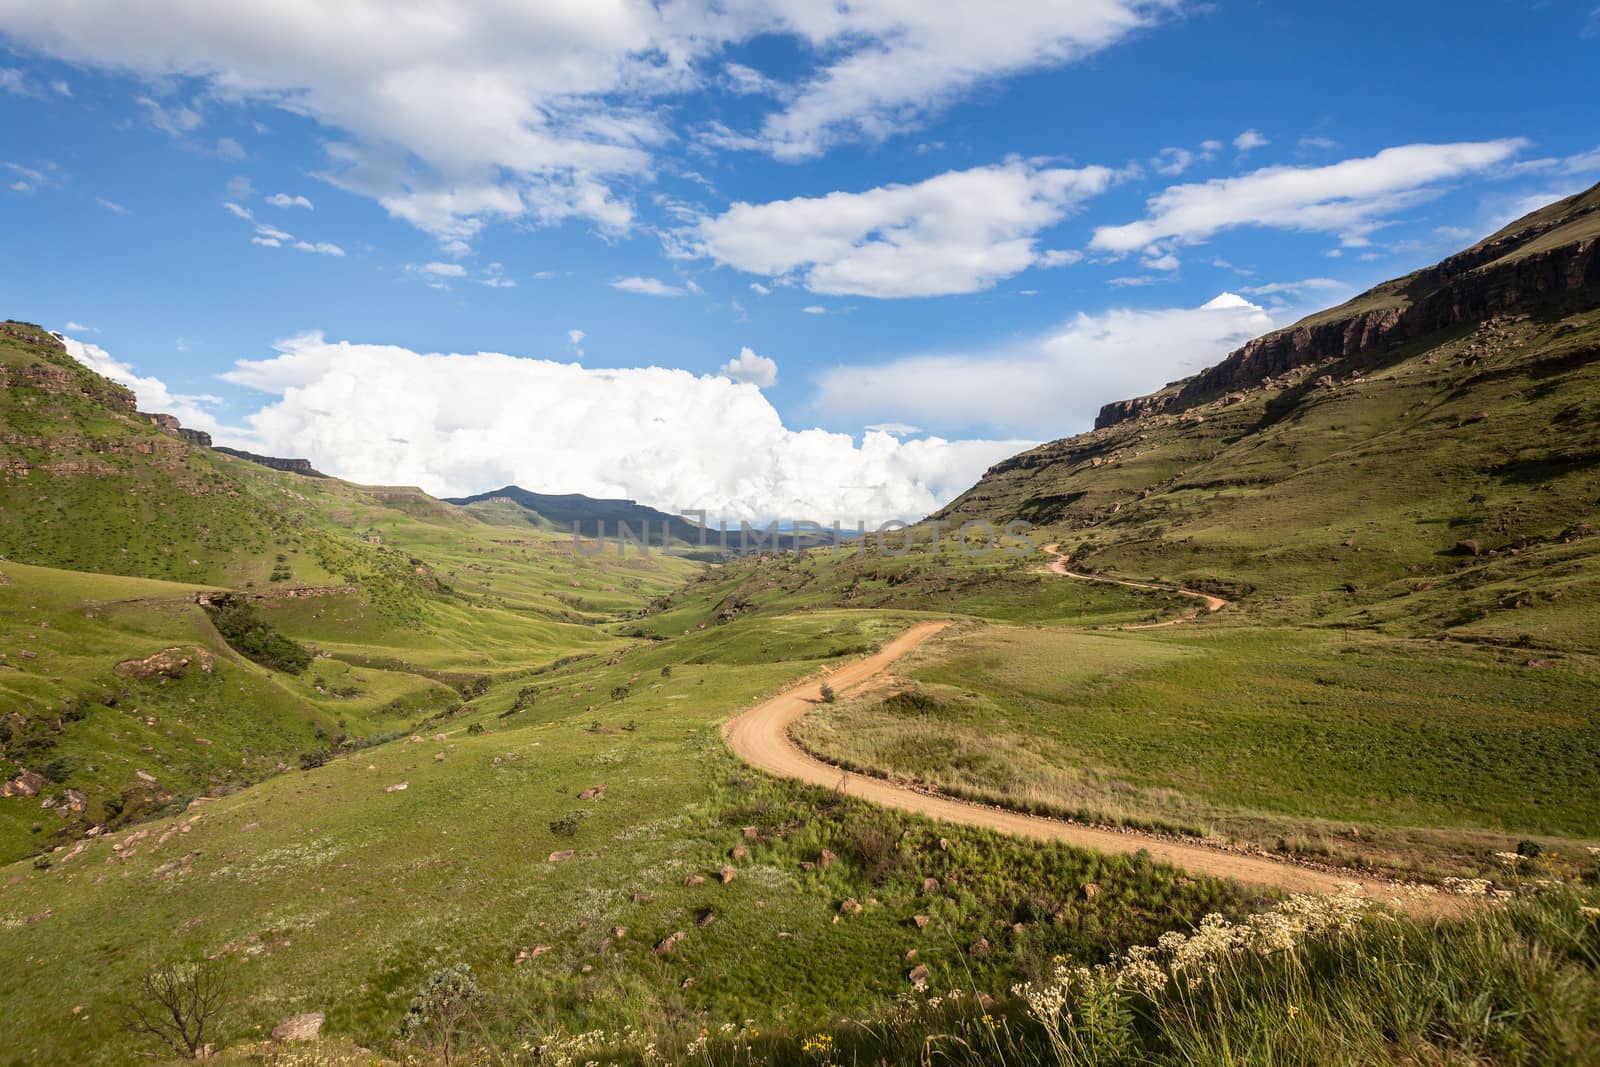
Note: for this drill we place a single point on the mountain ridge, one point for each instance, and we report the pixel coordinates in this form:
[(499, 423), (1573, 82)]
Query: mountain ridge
[(1548, 253)]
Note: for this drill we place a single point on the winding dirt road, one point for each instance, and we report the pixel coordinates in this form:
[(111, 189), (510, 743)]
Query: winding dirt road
[(1059, 566), (760, 736)]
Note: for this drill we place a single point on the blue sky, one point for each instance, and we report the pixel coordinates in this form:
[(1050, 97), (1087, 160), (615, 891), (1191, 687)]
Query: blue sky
[(725, 240)]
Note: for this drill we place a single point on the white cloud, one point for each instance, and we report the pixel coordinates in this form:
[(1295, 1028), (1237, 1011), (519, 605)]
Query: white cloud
[(1350, 198), (757, 287), (892, 63), (236, 210), (263, 230), (899, 429), (175, 119), (43, 175), (452, 116), (153, 394), (228, 148), (321, 248), (1248, 140), (649, 287), (1295, 287), (266, 242), (1059, 257), (576, 336), (111, 206), (748, 367), (471, 422), (285, 200), (815, 309), (78, 327), (1050, 386), (958, 232), (444, 270)]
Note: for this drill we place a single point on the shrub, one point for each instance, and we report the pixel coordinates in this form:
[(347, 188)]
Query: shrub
[(248, 634), (828, 695), (475, 728), (441, 1010)]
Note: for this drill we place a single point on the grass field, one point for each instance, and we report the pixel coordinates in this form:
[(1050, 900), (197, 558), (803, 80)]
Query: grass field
[(1324, 742), (323, 890)]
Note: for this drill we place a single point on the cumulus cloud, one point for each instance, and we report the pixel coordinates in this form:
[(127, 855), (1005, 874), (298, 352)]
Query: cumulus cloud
[(758, 371), (957, 232), (285, 200), (1351, 198), (1052, 385), (463, 423), (153, 394), (453, 116)]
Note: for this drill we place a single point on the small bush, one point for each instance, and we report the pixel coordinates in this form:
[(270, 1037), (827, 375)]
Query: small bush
[(828, 695), (442, 1009)]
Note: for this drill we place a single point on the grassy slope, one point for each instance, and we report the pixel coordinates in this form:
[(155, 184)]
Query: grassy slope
[(412, 599), (323, 891)]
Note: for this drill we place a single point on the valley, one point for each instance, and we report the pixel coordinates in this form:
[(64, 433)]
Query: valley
[(1322, 614)]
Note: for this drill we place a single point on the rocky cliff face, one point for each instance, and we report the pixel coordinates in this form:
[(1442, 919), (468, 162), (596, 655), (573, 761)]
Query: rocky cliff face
[(1466, 288), (293, 466)]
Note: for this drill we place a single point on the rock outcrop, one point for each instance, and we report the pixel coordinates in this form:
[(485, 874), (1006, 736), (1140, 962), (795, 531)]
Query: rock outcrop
[(292, 466), (1508, 270)]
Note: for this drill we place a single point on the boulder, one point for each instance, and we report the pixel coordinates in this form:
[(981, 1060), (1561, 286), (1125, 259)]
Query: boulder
[(919, 974), (304, 1027), (850, 906), (561, 855)]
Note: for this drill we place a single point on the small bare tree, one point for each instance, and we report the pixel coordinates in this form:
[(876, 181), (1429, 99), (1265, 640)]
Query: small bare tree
[(177, 1003)]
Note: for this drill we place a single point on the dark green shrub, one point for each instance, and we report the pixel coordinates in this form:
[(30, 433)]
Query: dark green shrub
[(248, 634)]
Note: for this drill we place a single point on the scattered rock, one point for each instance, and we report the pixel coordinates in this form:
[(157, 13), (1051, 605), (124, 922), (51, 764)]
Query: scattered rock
[(144, 776), (979, 948), (850, 906), (827, 859), (303, 1027), (1090, 890), (919, 974), (930, 886), (595, 792), (695, 879), (1468, 548), (752, 833), (398, 787), (667, 944), (561, 855), (438, 757), (920, 921), (741, 853), (944, 844), (26, 784), (168, 663), (707, 917), (727, 874), (619, 932)]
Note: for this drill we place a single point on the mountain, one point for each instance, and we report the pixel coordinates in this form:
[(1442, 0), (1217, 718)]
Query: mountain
[(558, 512), (1426, 453)]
